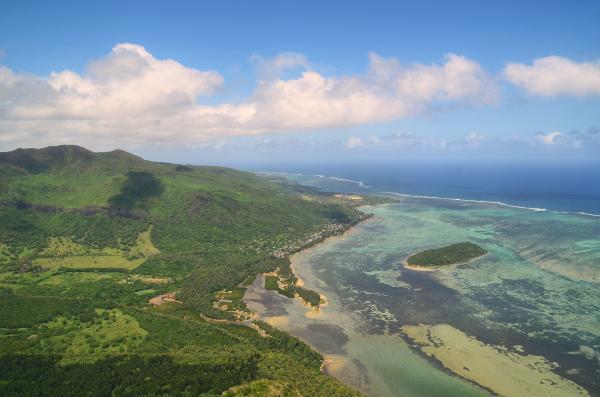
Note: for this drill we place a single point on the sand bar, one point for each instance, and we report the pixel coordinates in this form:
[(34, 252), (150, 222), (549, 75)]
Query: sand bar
[(505, 372)]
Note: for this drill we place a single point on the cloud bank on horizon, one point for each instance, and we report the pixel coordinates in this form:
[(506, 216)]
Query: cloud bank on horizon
[(129, 96), (576, 139)]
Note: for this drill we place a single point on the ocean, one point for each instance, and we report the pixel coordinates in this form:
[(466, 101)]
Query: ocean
[(570, 188), (522, 320)]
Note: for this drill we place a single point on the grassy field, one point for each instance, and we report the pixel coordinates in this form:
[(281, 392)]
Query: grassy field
[(111, 332), (90, 262), (62, 252), (86, 239), (452, 254), (271, 283)]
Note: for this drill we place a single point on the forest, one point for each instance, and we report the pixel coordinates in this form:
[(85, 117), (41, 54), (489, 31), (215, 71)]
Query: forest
[(87, 239)]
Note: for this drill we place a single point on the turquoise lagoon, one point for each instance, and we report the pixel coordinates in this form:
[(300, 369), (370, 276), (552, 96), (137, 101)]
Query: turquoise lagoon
[(534, 295)]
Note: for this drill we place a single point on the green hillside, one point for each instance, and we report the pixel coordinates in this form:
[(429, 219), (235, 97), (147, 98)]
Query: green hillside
[(87, 239)]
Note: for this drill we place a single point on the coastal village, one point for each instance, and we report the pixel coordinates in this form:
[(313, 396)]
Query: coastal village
[(283, 280), (328, 230)]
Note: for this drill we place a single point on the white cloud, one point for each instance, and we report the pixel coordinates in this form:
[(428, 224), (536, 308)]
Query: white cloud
[(130, 97), (354, 142), (459, 78), (554, 75), (403, 139), (388, 91), (474, 139), (272, 68), (579, 139), (548, 139)]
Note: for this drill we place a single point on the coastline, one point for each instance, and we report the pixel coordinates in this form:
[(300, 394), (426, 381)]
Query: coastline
[(417, 268), (363, 185), (344, 365), (436, 268), (293, 257), (332, 363), (383, 363), (317, 269)]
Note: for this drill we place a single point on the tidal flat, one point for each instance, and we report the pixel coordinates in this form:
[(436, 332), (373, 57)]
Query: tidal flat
[(530, 306)]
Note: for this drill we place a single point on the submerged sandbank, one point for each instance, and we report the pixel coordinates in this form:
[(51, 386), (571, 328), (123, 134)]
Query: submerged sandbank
[(508, 373), (377, 365)]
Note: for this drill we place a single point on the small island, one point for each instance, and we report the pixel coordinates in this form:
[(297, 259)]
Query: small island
[(449, 255)]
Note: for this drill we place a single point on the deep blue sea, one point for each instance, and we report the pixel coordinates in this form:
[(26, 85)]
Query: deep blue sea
[(572, 188)]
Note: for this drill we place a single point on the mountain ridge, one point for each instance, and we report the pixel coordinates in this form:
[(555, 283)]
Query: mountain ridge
[(52, 157)]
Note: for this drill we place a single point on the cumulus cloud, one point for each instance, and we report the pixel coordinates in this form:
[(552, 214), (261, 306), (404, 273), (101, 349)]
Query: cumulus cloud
[(474, 139), (554, 76), (548, 139), (129, 96), (402, 139), (388, 91), (579, 139), (354, 142)]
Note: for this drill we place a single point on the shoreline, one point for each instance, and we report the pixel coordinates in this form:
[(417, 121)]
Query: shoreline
[(429, 269), (337, 364), (331, 363), (417, 268), (458, 199), (327, 239), (444, 360), (309, 268), (314, 311)]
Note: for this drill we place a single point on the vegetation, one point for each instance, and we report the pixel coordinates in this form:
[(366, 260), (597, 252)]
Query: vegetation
[(312, 297), (284, 282), (452, 254), (137, 188), (263, 388), (271, 283), (64, 253), (86, 239)]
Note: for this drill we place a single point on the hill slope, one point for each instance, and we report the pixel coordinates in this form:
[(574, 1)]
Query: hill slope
[(86, 239)]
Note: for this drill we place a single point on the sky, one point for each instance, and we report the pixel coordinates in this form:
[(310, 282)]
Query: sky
[(234, 82)]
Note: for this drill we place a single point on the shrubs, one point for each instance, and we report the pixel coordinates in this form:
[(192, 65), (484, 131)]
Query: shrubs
[(310, 296), (271, 283)]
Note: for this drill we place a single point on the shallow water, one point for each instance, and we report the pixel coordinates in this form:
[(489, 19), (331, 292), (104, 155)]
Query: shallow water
[(535, 293)]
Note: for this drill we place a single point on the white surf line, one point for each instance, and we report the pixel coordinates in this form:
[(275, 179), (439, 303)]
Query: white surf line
[(359, 183), (335, 178), (500, 203), (277, 173), (578, 213)]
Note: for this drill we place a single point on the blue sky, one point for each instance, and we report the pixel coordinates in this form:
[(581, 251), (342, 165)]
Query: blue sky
[(233, 82)]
